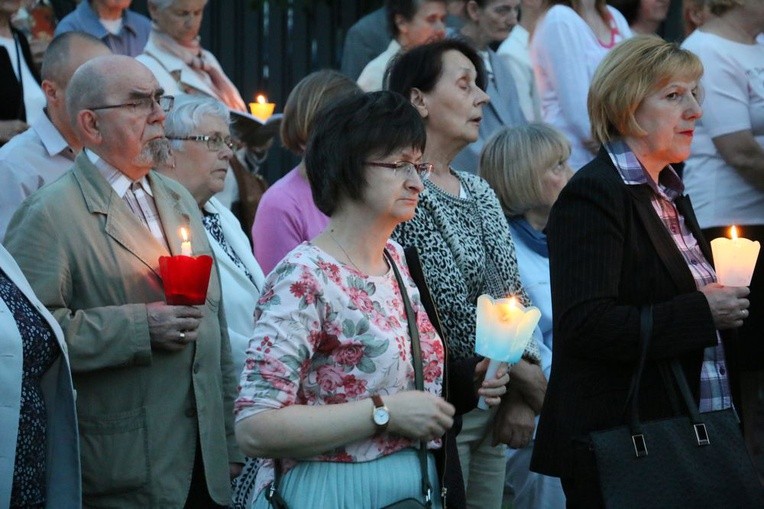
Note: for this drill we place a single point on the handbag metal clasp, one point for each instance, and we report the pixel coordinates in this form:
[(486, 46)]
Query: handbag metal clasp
[(640, 446), (701, 434)]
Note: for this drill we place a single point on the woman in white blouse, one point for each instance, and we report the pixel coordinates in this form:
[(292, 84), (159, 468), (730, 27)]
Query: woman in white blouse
[(571, 39)]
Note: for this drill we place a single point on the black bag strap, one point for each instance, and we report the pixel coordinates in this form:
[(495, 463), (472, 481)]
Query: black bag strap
[(684, 390), (632, 401), (417, 274), (272, 494), (428, 303), (668, 382), (416, 355)]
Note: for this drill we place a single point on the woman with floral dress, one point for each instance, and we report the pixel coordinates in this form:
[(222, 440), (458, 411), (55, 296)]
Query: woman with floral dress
[(331, 346)]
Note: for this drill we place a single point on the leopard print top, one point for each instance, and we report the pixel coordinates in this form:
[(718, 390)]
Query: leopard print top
[(466, 251)]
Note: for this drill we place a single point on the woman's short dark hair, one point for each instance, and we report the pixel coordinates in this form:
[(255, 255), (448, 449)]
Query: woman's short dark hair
[(346, 133), (421, 67)]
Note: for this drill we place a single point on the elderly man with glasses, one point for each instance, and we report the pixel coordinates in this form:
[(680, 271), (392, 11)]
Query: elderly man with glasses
[(155, 382)]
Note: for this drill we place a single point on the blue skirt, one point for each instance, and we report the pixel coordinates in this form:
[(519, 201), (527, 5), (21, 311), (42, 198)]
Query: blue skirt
[(367, 485)]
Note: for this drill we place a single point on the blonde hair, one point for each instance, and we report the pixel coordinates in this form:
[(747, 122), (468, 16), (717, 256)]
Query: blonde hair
[(634, 69), (515, 159), (310, 95)]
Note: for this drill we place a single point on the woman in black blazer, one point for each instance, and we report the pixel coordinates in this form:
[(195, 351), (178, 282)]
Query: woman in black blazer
[(622, 235)]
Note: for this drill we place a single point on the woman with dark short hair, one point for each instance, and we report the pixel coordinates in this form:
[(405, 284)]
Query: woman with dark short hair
[(466, 251), (332, 346)]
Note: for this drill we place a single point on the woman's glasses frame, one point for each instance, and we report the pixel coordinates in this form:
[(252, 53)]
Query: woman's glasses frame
[(406, 168)]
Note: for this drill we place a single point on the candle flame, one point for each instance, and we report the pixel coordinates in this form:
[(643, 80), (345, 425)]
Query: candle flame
[(261, 99), (505, 309), (184, 234), (733, 232)]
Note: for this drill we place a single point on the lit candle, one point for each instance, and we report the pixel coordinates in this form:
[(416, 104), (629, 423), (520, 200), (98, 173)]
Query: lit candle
[(734, 259), (261, 108), (502, 332), (185, 246)]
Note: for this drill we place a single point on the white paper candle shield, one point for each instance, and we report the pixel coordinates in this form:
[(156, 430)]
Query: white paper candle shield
[(502, 332), (734, 259), (504, 328)]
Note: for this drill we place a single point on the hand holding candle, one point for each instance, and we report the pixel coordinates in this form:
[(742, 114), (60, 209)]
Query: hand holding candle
[(261, 108), (734, 259), (503, 330)]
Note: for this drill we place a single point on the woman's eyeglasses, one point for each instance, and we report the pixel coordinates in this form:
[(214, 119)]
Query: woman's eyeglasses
[(214, 143), (406, 168)]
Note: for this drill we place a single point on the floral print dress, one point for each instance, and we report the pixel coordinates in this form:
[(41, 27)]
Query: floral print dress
[(328, 334)]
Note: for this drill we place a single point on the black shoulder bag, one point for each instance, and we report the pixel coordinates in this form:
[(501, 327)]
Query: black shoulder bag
[(693, 460)]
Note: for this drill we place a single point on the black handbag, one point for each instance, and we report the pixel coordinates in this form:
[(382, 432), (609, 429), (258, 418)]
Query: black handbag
[(272, 494), (692, 460)]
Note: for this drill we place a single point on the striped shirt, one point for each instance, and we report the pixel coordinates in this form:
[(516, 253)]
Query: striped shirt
[(137, 195), (714, 383)]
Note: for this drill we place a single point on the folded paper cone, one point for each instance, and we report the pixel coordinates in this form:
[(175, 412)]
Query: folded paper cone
[(185, 278)]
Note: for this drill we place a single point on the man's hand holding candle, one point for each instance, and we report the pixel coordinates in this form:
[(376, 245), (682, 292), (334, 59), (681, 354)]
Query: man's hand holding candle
[(172, 327)]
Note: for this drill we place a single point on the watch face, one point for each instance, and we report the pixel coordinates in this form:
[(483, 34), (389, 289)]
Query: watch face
[(381, 416)]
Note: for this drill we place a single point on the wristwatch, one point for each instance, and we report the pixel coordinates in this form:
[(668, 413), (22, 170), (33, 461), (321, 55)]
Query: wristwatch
[(380, 414)]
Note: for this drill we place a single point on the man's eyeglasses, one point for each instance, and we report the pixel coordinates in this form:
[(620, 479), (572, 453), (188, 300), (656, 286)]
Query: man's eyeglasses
[(144, 104), (214, 143), (406, 168)]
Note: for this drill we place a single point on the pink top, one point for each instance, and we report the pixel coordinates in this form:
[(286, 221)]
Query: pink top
[(328, 334), (286, 216)]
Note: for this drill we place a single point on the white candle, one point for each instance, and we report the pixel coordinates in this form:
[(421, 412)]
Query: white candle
[(261, 108), (734, 259), (502, 331), (185, 246)]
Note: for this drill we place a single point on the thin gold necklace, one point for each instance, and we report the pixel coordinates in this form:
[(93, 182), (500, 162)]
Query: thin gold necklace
[(345, 252)]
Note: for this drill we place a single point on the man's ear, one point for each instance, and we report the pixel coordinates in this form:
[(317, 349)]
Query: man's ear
[(53, 94), (87, 128), (418, 99)]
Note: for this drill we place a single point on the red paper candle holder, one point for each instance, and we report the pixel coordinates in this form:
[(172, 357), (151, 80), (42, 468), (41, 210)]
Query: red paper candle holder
[(185, 278)]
